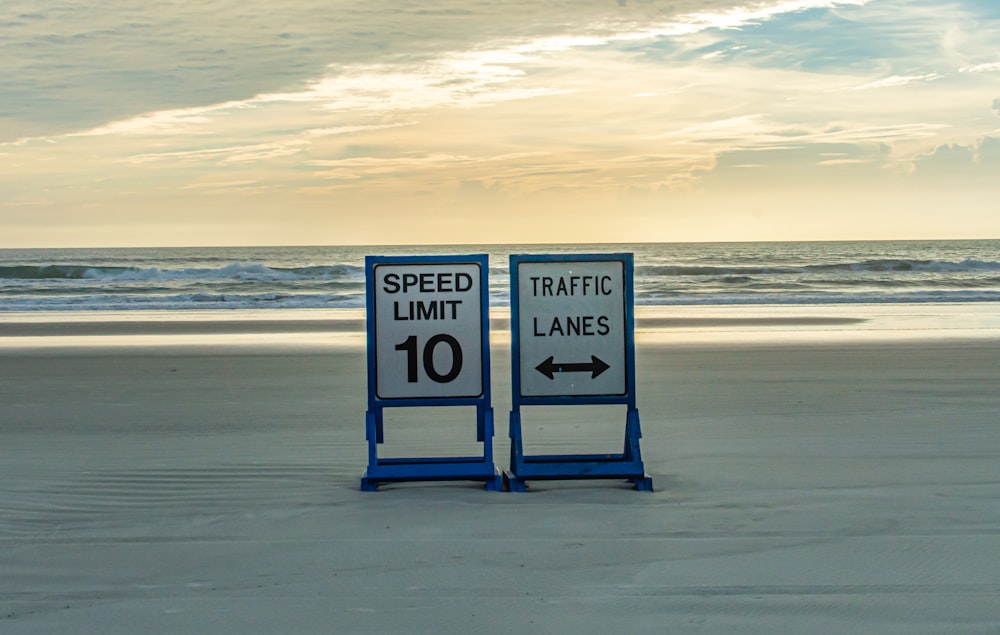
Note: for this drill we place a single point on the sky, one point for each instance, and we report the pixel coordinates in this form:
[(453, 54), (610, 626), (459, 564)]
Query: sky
[(306, 122)]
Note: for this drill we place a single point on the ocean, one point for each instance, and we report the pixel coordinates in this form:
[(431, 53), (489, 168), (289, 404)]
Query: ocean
[(752, 273)]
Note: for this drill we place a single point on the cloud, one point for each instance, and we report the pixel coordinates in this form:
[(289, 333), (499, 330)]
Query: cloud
[(988, 152), (70, 66), (799, 166), (996, 106), (843, 161), (898, 80), (969, 162), (987, 67)]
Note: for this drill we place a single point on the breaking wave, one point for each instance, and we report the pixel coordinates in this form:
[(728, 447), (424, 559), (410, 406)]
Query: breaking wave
[(234, 271), (664, 274)]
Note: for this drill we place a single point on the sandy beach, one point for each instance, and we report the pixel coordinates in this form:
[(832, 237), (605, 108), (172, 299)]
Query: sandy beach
[(816, 470)]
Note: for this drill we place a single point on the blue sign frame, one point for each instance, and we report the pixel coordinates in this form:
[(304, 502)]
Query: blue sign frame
[(398, 469), (626, 465)]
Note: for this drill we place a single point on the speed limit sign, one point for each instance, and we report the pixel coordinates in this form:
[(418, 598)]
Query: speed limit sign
[(427, 328), (428, 345)]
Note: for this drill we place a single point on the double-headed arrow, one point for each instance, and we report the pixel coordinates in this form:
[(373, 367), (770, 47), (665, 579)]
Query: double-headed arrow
[(549, 367)]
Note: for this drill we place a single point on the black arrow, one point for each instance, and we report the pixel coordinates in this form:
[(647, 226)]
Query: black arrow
[(549, 367)]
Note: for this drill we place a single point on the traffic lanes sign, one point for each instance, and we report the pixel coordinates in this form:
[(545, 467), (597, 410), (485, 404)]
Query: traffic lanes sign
[(572, 343), (572, 326)]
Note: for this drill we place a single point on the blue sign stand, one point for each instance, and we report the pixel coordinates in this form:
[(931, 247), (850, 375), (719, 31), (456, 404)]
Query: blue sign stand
[(556, 302), (444, 362)]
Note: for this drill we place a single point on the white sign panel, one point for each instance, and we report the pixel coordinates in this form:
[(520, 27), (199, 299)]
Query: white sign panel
[(428, 330), (571, 318)]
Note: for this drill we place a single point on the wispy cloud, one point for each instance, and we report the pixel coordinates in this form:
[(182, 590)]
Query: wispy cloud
[(898, 80), (242, 153), (987, 67), (844, 161)]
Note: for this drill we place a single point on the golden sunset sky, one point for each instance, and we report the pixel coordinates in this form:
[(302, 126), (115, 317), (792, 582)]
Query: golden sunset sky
[(251, 122)]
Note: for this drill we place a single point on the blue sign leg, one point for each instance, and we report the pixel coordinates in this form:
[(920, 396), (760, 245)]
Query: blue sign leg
[(373, 434), (513, 482), (494, 484), (632, 453)]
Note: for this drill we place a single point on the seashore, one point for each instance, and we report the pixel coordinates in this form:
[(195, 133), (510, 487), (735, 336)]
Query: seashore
[(821, 469)]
